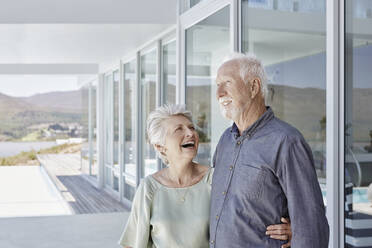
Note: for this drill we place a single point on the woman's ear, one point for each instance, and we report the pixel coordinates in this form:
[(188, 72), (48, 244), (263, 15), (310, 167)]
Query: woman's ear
[(161, 149)]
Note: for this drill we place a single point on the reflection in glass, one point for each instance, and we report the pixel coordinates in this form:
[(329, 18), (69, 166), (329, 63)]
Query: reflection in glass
[(358, 124), (292, 48), (148, 96), (129, 125), (207, 44), (169, 72)]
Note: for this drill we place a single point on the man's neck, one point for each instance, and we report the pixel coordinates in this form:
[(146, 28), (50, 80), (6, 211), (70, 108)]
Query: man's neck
[(249, 116)]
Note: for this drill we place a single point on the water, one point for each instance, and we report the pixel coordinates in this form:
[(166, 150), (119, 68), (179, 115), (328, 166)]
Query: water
[(13, 148)]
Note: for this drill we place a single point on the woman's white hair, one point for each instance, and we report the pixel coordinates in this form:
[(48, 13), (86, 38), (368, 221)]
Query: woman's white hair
[(156, 130), (250, 67)]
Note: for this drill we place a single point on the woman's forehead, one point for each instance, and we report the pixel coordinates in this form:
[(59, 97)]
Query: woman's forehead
[(177, 120)]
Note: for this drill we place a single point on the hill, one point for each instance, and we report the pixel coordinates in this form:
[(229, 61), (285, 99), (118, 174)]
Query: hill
[(18, 114), (59, 101)]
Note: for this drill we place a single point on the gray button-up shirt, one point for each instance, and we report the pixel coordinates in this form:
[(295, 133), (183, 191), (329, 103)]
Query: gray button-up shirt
[(264, 174)]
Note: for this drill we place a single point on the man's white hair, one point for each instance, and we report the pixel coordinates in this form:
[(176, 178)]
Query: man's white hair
[(156, 129), (250, 67)]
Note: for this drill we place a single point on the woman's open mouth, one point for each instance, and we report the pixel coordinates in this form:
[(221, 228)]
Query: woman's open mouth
[(190, 144)]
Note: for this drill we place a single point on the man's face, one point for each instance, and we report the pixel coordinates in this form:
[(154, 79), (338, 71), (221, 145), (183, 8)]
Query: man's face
[(232, 93)]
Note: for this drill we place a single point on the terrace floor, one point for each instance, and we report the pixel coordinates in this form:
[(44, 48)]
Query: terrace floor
[(80, 194), (69, 231)]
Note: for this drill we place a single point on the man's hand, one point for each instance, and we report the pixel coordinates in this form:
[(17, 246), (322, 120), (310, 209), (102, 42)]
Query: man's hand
[(281, 231)]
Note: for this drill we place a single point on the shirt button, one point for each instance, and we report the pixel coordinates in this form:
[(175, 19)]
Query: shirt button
[(238, 143), (231, 167), (212, 242), (217, 217), (224, 192)]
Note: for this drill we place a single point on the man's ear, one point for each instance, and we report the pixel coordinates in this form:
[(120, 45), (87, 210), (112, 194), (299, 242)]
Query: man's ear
[(161, 149), (255, 87)]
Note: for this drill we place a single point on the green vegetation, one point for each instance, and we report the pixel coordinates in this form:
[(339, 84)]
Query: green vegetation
[(15, 125), (31, 156)]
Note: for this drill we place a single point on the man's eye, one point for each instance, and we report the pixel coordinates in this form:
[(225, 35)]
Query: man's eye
[(192, 128)]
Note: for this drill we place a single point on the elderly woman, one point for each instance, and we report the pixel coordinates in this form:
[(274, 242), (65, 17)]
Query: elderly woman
[(171, 207)]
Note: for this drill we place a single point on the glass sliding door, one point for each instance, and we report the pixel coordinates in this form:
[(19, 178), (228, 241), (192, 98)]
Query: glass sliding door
[(148, 104), (93, 144), (169, 72), (84, 122), (108, 129), (289, 37), (358, 124), (130, 139), (207, 44), (116, 169)]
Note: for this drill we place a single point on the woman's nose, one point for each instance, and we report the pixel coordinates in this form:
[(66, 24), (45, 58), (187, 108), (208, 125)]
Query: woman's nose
[(189, 132)]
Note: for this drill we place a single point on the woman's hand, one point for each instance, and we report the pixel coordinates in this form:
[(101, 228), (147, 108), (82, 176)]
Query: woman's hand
[(281, 231)]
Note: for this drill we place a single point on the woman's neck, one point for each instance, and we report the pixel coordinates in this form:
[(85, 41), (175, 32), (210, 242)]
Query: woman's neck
[(181, 174)]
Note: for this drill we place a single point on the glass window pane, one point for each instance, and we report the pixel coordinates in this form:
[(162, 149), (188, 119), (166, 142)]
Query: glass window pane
[(94, 168), (169, 72), (130, 169), (148, 96), (292, 47), (207, 44), (84, 150), (187, 4), (116, 168), (108, 135), (358, 124)]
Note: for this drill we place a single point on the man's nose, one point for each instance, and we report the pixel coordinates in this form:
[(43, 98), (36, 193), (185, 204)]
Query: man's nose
[(220, 92)]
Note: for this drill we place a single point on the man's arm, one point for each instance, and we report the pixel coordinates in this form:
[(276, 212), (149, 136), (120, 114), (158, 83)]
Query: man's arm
[(298, 178)]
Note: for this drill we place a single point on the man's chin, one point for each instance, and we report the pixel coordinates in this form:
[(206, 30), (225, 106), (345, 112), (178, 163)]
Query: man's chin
[(226, 115), (230, 115)]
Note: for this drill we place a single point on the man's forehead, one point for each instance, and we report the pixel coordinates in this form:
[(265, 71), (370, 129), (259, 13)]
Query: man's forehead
[(229, 68)]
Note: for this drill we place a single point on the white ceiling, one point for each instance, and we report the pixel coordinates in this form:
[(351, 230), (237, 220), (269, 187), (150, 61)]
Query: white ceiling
[(72, 43), (88, 11), (78, 31)]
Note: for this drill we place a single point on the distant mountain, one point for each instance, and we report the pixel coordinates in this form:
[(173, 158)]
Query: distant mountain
[(19, 113), (59, 101), (12, 105)]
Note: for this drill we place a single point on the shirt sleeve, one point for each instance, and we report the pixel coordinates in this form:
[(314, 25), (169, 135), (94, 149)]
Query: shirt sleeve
[(137, 230), (304, 198)]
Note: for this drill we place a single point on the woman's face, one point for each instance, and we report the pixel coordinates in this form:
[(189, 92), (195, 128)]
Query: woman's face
[(181, 141)]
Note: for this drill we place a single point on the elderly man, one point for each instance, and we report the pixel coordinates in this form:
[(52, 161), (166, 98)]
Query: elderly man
[(264, 168)]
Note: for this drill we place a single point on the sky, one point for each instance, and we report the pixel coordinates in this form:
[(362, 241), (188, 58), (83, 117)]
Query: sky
[(27, 85)]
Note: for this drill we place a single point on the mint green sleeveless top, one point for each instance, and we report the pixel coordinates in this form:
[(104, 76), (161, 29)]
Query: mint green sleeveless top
[(165, 217)]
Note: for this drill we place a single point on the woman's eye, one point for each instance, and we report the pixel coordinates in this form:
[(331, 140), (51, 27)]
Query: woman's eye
[(192, 128)]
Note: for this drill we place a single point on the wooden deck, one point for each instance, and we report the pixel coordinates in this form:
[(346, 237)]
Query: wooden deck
[(81, 195)]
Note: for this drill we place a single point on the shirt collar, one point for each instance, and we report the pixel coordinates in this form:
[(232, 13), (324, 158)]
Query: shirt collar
[(264, 118)]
